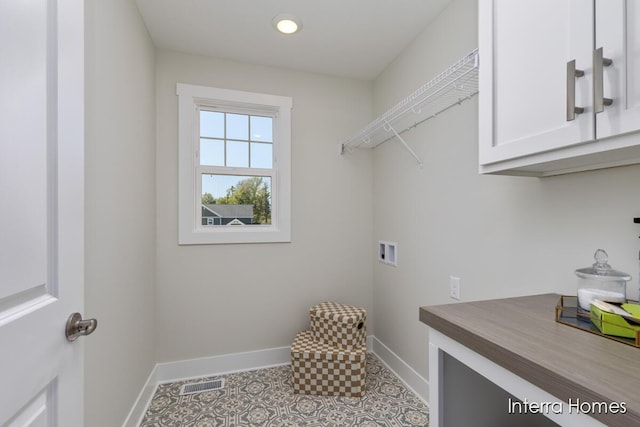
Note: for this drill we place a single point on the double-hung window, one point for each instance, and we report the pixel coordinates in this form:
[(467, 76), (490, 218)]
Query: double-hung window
[(234, 166)]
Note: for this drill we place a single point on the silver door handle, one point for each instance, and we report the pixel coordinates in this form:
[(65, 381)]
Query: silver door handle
[(572, 75), (599, 62), (76, 327)]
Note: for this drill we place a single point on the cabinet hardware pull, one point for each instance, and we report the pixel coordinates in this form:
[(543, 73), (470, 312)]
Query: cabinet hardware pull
[(572, 75), (599, 62)]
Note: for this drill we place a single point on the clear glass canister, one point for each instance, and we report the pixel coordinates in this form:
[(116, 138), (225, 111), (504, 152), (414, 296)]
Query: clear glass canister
[(601, 282)]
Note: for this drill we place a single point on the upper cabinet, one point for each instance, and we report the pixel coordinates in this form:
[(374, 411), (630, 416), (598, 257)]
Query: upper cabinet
[(559, 85), (618, 34)]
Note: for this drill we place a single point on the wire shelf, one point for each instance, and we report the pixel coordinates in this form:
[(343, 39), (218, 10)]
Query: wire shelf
[(450, 88)]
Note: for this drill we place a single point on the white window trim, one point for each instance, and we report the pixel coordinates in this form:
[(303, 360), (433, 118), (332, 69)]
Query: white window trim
[(189, 201)]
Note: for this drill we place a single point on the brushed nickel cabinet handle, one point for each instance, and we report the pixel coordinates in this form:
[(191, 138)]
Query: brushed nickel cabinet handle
[(572, 75), (599, 62)]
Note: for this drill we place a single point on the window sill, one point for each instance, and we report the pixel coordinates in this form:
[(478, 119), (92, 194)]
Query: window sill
[(234, 235)]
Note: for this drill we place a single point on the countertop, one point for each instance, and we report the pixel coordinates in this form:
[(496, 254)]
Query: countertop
[(521, 335)]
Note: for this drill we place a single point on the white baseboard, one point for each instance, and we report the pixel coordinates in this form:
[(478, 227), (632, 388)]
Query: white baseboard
[(217, 365), (202, 367), (412, 379), (236, 362), (142, 402)]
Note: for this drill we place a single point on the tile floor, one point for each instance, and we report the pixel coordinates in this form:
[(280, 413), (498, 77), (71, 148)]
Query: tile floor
[(265, 397)]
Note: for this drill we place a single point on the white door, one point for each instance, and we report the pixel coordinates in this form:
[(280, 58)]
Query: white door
[(41, 211), (618, 34), (524, 48)]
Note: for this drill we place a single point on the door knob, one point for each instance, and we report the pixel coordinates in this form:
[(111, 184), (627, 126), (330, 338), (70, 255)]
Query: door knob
[(77, 327)]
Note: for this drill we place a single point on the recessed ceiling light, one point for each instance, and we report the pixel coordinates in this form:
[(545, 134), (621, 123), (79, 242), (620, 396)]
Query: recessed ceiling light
[(287, 24)]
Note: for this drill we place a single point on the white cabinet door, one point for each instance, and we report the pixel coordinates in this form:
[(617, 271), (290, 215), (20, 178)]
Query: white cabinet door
[(41, 210), (618, 34), (524, 48)]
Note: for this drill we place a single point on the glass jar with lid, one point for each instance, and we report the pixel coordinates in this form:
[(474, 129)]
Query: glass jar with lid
[(601, 282)]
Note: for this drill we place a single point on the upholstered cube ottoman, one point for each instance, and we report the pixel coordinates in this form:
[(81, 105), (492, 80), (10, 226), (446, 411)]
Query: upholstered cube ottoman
[(340, 325), (322, 369)]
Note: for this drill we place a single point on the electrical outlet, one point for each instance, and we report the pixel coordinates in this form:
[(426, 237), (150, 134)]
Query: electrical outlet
[(454, 285)]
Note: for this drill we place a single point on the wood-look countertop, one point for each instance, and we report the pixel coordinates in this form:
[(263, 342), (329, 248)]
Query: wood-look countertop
[(521, 335)]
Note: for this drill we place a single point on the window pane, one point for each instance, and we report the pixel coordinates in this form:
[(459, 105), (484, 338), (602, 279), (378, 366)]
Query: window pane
[(235, 200), (238, 154), (238, 126), (211, 152), (261, 129), (211, 124), (261, 155)]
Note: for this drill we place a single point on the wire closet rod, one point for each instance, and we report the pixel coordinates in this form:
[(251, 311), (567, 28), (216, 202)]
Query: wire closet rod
[(419, 122), (453, 86)]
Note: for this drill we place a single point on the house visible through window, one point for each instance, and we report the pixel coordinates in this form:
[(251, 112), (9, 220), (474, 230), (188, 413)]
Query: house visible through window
[(229, 141), (237, 187)]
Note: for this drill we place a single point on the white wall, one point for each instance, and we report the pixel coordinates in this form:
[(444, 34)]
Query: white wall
[(503, 236), (120, 206), (221, 299)]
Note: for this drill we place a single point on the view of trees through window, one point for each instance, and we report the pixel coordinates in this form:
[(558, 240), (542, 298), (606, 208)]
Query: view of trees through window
[(235, 141), (253, 193)]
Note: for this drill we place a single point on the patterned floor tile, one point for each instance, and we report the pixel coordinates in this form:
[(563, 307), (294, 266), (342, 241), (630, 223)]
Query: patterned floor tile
[(265, 398)]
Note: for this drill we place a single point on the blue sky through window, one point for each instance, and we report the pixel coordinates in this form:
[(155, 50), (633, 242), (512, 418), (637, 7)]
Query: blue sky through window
[(233, 140), (236, 140)]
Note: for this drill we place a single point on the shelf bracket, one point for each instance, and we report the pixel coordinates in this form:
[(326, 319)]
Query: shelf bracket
[(390, 128)]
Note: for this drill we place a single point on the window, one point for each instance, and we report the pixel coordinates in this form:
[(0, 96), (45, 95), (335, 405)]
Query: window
[(234, 166)]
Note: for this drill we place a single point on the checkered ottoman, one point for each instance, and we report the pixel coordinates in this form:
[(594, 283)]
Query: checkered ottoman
[(342, 326), (321, 369)]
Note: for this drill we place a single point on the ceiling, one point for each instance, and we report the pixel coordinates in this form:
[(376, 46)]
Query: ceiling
[(349, 38)]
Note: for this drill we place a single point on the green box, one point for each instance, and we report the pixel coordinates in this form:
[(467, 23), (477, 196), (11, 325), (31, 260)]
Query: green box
[(613, 324)]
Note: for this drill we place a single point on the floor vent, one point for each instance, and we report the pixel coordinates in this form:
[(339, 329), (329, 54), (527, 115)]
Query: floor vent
[(194, 388)]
